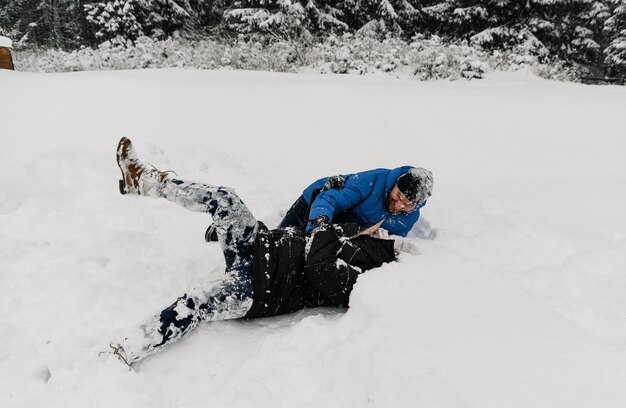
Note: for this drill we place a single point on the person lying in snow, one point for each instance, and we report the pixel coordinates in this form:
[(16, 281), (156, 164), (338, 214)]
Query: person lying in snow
[(393, 197), (268, 273)]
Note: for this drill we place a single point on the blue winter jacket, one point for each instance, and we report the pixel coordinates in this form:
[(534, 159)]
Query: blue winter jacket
[(362, 200)]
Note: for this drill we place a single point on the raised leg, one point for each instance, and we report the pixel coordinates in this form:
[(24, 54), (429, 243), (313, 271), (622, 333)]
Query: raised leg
[(230, 298), (236, 226)]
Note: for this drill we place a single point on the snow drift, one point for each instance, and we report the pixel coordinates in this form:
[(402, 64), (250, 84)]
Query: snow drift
[(516, 299)]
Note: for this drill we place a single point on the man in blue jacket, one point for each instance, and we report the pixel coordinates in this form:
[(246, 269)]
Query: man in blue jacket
[(393, 197)]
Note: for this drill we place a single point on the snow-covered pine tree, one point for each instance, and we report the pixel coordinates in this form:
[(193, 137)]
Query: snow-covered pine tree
[(570, 29), (299, 17), (208, 13), (51, 15), (615, 53), (436, 18), (281, 18), (117, 21), (459, 19), (398, 17), (166, 16), (588, 38), (491, 24), (325, 17), (17, 18), (288, 19), (52, 23), (120, 21)]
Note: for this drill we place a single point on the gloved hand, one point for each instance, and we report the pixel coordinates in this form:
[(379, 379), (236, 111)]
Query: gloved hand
[(381, 233), (320, 222), (371, 230), (404, 245)]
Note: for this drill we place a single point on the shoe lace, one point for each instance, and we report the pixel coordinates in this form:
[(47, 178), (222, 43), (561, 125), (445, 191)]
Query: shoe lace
[(119, 351), (164, 171)]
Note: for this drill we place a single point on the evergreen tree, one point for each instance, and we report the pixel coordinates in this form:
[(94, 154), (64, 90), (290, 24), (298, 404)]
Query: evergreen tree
[(589, 38), (18, 18), (325, 16), (51, 19), (54, 23), (591, 32), (117, 21), (288, 19), (302, 17), (571, 29), (492, 24), (120, 21), (166, 16), (398, 17), (207, 13), (616, 27), (283, 18)]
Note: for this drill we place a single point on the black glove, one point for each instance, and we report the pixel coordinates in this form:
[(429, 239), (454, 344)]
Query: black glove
[(321, 222)]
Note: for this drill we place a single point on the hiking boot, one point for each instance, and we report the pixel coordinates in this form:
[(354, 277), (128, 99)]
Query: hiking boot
[(137, 178)]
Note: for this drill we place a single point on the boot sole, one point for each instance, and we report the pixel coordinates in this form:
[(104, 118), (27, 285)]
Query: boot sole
[(211, 234), (122, 187)]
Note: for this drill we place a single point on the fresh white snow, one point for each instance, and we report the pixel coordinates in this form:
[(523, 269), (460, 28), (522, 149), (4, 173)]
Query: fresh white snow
[(515, 300), (5, 42)]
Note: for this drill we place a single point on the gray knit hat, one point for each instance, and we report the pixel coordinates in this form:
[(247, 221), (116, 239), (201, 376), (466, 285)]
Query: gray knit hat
[(416, 185)]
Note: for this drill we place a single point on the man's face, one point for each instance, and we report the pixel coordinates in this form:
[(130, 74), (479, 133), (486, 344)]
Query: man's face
[(397, 203)]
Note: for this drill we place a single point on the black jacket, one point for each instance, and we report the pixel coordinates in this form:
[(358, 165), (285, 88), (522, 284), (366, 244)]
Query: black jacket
[(284, 281)]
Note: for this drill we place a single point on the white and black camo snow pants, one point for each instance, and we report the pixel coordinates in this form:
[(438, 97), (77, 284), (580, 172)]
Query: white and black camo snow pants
[(229, 298)]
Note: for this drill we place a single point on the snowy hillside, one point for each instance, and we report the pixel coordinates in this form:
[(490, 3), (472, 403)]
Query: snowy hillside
[(516, 300)]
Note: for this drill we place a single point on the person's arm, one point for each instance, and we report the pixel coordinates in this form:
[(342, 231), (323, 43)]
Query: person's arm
[(330, 202), (334, 261), (332, 276)]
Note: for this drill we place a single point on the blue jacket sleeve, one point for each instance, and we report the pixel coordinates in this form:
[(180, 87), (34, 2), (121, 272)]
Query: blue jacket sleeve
[(331, 202)]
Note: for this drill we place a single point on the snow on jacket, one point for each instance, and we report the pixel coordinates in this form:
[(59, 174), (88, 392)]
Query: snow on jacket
[(362, 200), (285, 282)]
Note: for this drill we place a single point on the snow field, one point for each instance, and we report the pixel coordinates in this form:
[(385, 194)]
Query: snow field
[(515, 300)]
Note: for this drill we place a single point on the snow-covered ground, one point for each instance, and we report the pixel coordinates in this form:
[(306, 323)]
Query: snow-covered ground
[(516, 300)]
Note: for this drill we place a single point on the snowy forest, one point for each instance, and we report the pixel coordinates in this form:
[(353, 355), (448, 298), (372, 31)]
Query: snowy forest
[(587, 36)]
